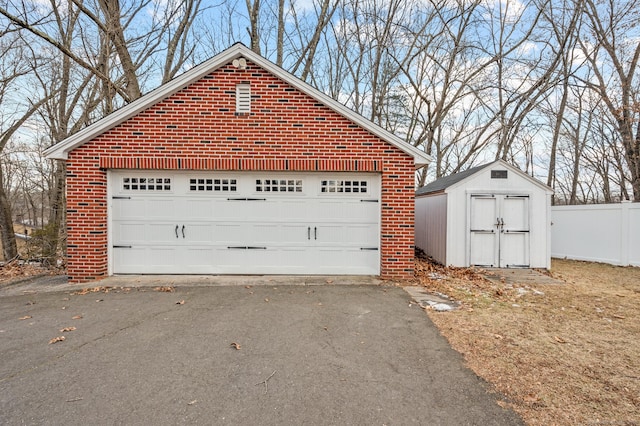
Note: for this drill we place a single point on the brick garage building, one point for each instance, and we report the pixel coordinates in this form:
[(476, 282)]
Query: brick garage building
[(238, 167)]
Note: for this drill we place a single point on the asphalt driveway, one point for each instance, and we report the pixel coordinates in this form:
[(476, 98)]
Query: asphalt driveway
[(249, 355)]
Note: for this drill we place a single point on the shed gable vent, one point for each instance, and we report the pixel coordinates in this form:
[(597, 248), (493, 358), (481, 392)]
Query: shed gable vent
[(498, 174), (243, 98)]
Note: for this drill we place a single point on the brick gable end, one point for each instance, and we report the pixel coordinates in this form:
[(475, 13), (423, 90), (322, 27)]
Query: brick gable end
[(198, 128)]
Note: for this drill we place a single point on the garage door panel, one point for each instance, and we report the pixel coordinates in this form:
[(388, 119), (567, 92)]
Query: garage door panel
[(279, 234), (229, 233), (143, 209), (257, 261), (307, 231), (199, 209), (354, 261), (228, 209), (347, 235), (129, 232), (199, 259), (163, 232), (365, 235), (161, 209), (256, 211), (195, 233), (162, 257), (131, 260), (294, 209), (129, 209)]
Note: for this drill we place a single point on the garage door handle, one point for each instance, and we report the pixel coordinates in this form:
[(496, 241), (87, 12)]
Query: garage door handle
[(315, 233), (182, 231), (308, 232), (177, 231)]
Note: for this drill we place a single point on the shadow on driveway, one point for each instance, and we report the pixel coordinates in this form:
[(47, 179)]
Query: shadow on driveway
[(360, 355)]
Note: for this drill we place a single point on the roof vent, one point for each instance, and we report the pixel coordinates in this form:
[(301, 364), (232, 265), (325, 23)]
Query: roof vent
[(243, 98), (498, 174)]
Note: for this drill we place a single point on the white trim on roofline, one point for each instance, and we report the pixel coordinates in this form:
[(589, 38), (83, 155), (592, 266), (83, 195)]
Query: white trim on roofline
[(61, 150)]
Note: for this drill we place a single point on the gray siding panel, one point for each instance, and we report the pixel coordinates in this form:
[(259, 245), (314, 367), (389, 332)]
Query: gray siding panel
[(431, 226)]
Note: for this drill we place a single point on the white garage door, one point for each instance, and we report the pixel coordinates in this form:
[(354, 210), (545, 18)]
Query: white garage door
[(244, 223)]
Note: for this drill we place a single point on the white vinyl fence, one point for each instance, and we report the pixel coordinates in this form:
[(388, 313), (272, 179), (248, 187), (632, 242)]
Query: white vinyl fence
[(607, 233)]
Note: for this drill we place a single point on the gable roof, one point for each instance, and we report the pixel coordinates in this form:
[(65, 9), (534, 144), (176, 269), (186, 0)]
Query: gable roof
[(61, 150), (445, 182)]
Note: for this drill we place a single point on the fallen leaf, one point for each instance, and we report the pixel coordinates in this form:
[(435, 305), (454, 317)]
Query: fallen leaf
[(559, 339), (181, 302), (235, 346), (56, 340), (266, 299), (498, 336), (25, 317), (64, 330), (165, 289), (618, 316), (247, 286), (76, 317), (91, 290), (192, 402), (329, 281)]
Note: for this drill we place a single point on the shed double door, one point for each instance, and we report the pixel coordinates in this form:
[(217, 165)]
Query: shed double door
[(499, 230)]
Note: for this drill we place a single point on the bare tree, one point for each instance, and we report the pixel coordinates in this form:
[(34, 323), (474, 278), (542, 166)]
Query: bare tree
[(129, 43), (14, 64), (613, 53), (253, 11)]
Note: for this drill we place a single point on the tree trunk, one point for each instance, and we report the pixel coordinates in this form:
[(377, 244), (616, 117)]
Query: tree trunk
[(254, 32), (280, 40), (9, 247), (56, 217)]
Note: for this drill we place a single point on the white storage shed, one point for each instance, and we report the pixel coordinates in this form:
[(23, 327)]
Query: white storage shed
[(492, 215)]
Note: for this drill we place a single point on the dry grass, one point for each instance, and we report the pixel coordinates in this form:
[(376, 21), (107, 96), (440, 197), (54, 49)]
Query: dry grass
[(17, 270), (562, 354)]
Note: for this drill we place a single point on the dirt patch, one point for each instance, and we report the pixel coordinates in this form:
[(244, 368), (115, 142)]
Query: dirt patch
[(562, 354)]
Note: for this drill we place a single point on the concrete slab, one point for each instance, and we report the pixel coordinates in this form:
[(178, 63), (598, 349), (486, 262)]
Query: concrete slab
[(47, 283), (518, 276), (429, 300)]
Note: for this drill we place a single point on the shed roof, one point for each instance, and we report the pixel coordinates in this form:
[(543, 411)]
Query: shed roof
[(61, 150), (445, 182)]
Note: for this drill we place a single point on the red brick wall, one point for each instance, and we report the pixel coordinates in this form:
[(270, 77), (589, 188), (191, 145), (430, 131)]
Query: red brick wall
[(198, 129)]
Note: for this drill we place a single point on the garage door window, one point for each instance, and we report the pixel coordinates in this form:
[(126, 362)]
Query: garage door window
[(278, 185), (213, 185), (344, 186), (146, 184)]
